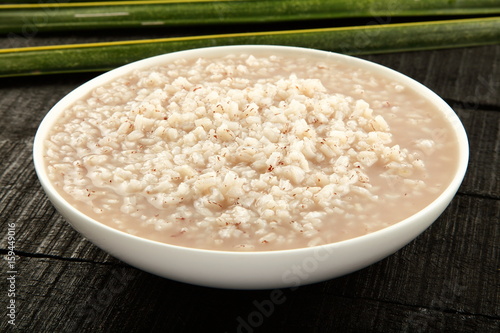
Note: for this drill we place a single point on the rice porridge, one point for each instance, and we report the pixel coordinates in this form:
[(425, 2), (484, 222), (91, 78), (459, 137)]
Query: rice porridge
[(251, 153)]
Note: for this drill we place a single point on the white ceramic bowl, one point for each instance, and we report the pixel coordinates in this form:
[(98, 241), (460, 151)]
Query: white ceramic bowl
[(251, 270)]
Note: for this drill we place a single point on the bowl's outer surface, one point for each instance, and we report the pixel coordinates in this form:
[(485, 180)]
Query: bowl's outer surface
[(251, 270)]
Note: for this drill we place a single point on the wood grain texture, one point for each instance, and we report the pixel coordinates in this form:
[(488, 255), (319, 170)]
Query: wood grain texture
[(447, 280)]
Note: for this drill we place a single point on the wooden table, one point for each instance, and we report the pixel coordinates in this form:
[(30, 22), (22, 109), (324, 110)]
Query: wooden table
[(448, 279)]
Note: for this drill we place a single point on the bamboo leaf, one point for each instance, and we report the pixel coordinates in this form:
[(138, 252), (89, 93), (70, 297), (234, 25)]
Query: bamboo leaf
[(350, 40), (18, 18)]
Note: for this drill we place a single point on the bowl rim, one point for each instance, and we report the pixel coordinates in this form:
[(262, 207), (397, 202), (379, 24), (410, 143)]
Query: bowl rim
[(444, 198)]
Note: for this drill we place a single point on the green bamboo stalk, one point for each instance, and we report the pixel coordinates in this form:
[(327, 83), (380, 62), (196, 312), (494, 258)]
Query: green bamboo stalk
[(23, 18), (350, 40), (49, 1)]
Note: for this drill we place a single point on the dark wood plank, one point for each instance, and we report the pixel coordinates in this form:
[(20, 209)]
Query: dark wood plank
[(483, 131), (26, 100), (467, 78), (455, 263), (448, 288), (445, 280), (66, 296)]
